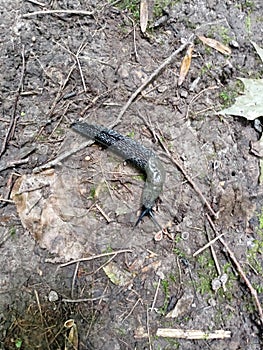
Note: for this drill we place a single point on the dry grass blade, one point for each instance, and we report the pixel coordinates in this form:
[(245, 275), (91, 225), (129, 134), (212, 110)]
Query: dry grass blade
[(144, 14)]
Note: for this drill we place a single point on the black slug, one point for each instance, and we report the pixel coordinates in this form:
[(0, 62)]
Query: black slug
[(133, 152)]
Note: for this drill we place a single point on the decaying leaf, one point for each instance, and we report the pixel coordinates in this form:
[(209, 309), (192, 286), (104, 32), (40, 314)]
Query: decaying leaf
[(225, 50), (51, 209), (71, 341), (144, 15), (117, 275), (250, 104), (185, 64)]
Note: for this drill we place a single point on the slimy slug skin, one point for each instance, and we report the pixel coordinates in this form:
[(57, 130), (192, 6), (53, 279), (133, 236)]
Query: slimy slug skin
[(133, 152)]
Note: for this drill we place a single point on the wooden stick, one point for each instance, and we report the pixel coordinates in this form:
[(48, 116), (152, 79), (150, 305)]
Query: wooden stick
[(192, 333), (165, 63), (96, 257), (67, 12), (241, 272)]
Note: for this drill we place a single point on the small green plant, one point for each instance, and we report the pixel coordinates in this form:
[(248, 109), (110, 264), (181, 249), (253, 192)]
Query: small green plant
[(206, 68), (165, 286), (131, 134), (18, 343), (206, 273), (92, 193), (224, 34), (12, 231)]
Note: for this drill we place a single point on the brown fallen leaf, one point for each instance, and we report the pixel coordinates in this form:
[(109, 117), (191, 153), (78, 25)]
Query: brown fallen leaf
[(71, 341), (225, 50), (185, 65), (144, 14)]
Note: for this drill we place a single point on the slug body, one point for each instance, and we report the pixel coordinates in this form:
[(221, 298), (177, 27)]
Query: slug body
[(133, 152)]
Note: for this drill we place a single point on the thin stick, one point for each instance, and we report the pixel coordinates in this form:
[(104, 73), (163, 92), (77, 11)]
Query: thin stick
[(83, 300), (192, 333), (197, 96), (14, 118), (241, 272), (156, 294), (103, 214), (74, 279), (207, 245), (67, 12), (165, 63), (62, 157), (191, 182), (14, 163), (96, 257)]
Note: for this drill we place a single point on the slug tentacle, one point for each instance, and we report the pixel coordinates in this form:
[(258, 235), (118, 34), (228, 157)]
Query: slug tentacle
[(133, 152)]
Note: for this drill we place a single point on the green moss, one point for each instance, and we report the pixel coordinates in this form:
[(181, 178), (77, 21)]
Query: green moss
[(132, 6), (206, 272), (159, 5)]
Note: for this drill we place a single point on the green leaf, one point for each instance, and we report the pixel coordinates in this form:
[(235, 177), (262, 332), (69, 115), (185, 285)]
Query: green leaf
[(250, 104)]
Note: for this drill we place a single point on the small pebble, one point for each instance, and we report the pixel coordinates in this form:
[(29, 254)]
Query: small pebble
[(53, 296), (234, 44)]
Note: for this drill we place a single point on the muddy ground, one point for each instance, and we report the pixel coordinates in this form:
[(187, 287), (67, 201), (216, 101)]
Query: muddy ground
[(60, 67)]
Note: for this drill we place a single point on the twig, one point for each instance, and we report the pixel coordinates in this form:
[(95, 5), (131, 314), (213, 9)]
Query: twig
[(165, 63), (37, 3), (76, 57), (14, 118), (61, 157), (14, 163), (67, 12), (74, 279), (96, 257), (197, 96), (192, 183), (241, 272), (139, 300), (207, 245), (103, 214), (83, 300), (155, 295)]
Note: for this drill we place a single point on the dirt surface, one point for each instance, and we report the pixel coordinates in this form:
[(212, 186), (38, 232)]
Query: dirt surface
[(60, 67)]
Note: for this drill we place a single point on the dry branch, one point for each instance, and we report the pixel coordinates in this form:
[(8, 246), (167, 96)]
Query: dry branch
[(240, 271), (165, 63)]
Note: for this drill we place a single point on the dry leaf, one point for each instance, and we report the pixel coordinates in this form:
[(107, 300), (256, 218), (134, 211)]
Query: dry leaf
[(225, 50), (185, 65), (143, 15), (117, 275)]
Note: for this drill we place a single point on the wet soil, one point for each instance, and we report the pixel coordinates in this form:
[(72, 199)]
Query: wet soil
[(60, 67)]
